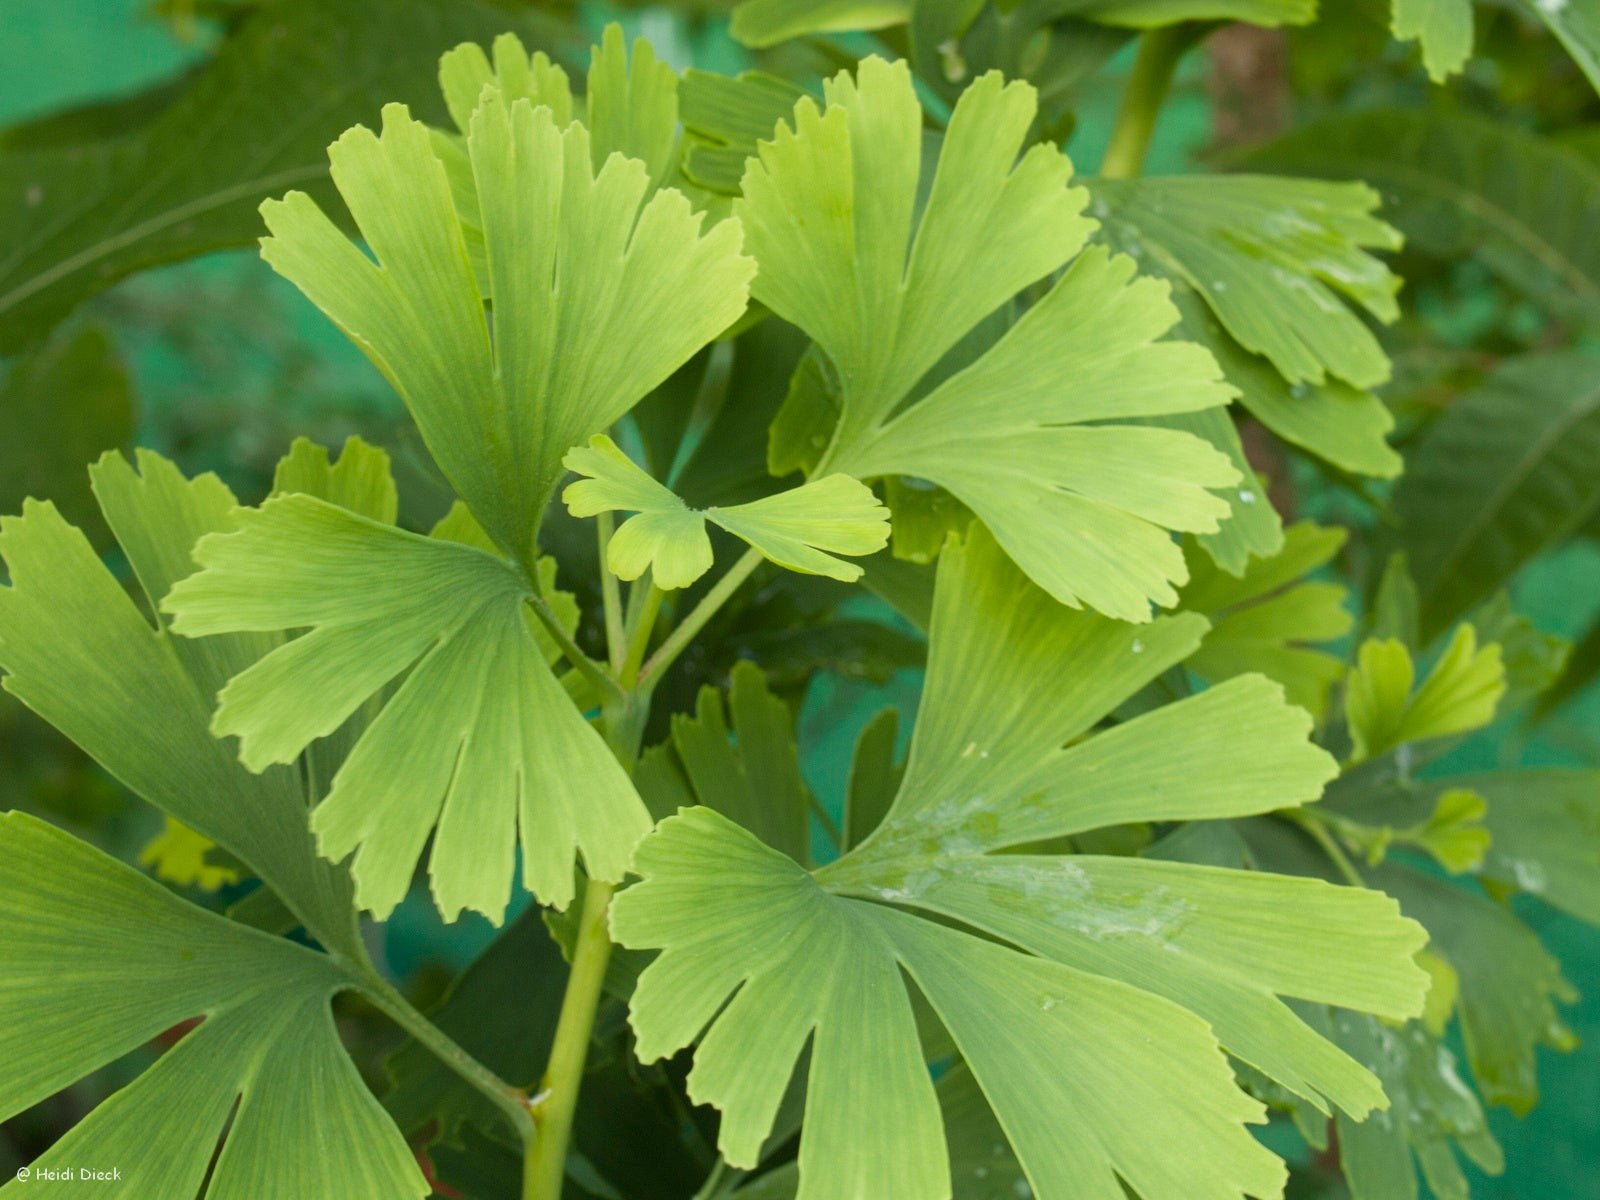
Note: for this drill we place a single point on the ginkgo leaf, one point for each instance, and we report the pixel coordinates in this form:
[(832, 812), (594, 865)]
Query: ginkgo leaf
[(479, 740), (1253, 529), (802, 529), (578, 263), (1084, 504), (1273, 258), (1299, 341), (1460, 693), (738, 758), (1111, 980), (360, 479), (517, 75), (1444, 30), (97, 960), (79, 653), (1271, 618)]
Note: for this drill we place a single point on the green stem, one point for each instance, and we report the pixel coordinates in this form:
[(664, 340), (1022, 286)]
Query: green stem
[(511, 1101), (716, 1182), (545, 1163), (644, 624), (1159, 52), (611, 594), (1324, 837), (678, 640), (597, 675)]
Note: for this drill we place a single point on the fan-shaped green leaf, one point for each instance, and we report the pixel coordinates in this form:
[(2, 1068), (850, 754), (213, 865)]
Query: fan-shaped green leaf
[(1098, 1004), (1253, 528), (79, 653), (1442, 27), (1508, 471), (360, 479), (1459, 185), (752, 776), (1431, 1107), (1459, 694), (1268, 619), (1273, 258), (1083, 508), (578, 264), (479, 740), (795, 529), (97, 960)]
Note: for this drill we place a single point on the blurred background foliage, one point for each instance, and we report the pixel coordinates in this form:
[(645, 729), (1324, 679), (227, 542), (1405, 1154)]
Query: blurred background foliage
[(136, 139)]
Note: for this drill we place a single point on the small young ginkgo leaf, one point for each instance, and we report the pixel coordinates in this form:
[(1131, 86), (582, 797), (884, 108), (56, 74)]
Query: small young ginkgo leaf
[(802, 529), (598, 293), (1270, 618), (1460, 694), (1027, 435), (97, 960), (479, 740), (1087, 994)]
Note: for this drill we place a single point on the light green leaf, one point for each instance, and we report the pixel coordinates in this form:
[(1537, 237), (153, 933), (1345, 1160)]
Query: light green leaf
[(1253, 528), (1274, 259), (360, 479), (1505, 473), (1509, 982), (517, 75), (1444, 29), (1269, 618), (479, 740), (1460, 693), (79, 653), (1084, 508), (499, 403), (1459, 185), (75, 219), (97, 960), (795, 529), (632, 106), (1431, 1107), (1097, 1007), (1577, 24), (738, 758)]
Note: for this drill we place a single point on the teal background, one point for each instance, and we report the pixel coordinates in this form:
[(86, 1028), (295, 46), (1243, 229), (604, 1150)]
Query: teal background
[(229, 364)]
